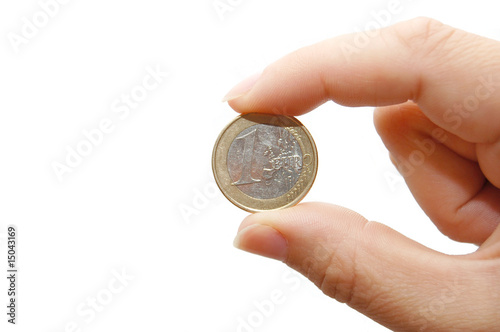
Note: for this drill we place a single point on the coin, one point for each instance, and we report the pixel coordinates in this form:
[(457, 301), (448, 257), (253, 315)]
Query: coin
[(264, 162)]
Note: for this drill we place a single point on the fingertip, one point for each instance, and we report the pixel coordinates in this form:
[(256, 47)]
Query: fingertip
[(242, 88), (262, 240)]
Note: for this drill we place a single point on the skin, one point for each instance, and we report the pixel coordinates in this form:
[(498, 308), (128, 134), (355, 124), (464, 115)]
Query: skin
[(420, 75)]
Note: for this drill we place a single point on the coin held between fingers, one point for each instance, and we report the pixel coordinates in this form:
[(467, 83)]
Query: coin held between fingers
[(264, 162)]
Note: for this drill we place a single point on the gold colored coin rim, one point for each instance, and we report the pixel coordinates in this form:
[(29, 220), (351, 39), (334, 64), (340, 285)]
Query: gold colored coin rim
[(244, 201)]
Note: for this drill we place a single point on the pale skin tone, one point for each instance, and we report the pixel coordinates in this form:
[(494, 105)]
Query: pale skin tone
[(430, 83)]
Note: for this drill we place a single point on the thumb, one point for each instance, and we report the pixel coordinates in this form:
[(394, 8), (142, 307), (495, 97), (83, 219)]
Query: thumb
[(377, 271)]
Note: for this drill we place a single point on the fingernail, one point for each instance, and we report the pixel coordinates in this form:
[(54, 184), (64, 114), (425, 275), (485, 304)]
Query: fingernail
[(262, 240), (241, 88)]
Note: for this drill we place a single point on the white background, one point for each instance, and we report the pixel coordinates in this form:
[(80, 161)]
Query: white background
[(120, 210)]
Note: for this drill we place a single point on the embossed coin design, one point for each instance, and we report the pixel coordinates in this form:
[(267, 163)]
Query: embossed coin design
[(264, 162)]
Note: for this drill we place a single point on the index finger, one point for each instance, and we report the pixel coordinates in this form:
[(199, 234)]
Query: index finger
[(454, 77)]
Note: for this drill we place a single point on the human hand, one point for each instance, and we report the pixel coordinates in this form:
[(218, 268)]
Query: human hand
[(438, 93)]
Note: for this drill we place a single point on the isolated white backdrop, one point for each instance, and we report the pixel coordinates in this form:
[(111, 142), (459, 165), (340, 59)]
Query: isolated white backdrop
[(135, 238)]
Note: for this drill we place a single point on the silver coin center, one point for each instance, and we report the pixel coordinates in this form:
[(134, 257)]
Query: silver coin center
[(264, 161)]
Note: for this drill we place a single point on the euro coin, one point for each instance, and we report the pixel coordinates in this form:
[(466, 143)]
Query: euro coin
[(264, 162)]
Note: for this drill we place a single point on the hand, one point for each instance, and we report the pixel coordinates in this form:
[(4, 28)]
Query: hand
[(438, 94)]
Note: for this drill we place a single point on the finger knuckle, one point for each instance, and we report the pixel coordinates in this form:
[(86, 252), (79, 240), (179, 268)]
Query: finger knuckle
[(343, 279), (426, 36)]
